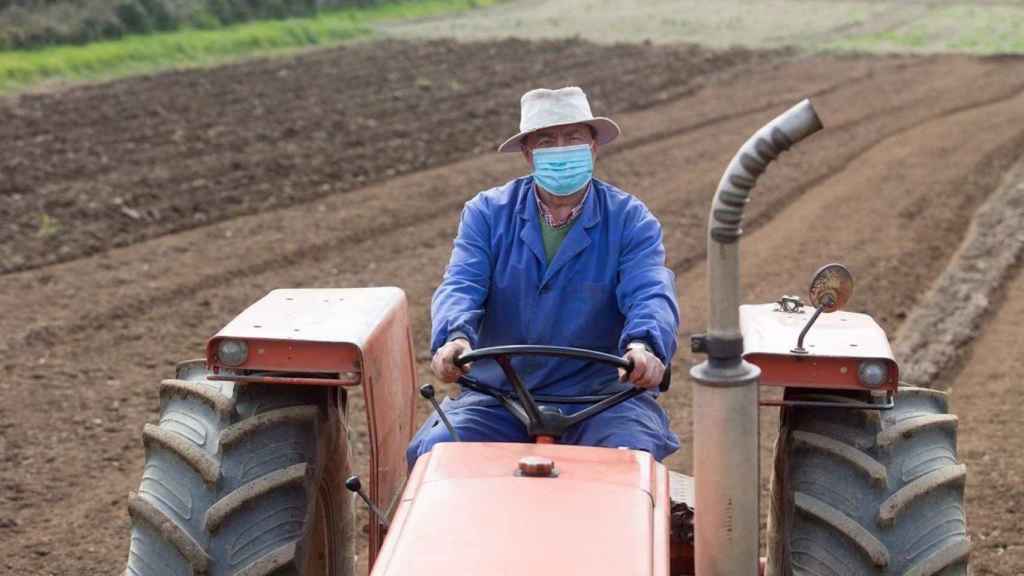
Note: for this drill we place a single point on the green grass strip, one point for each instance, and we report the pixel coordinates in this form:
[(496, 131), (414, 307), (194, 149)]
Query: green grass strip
[(960, 28), (20, 69)]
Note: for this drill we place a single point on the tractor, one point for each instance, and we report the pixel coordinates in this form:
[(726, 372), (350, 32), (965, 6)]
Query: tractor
[(248, 471)]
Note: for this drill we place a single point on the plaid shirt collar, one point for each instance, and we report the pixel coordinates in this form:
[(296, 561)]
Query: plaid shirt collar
[(549, 217)]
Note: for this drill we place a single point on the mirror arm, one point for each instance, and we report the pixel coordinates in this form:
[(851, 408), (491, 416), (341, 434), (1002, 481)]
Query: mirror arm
[(800, 341)]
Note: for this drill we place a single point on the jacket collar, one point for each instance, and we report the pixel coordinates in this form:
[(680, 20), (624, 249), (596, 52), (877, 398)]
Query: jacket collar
[(528, 209), (575, 242)]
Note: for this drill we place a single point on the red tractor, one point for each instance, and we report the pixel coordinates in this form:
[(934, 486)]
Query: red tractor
[(246, 471)]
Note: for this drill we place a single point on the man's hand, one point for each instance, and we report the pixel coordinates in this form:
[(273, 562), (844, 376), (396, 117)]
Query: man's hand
[(443, 364), (647, 368)]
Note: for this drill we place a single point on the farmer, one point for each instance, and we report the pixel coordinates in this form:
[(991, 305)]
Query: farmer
[(558, 258)]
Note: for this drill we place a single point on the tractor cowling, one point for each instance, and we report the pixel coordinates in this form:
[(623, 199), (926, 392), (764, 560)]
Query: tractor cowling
[(726, 426)]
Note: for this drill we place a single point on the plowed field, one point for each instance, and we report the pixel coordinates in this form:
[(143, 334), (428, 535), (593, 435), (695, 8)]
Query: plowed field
[(139, 216)]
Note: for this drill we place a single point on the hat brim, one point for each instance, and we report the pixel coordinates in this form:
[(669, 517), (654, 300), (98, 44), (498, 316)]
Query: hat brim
[(607, 130)]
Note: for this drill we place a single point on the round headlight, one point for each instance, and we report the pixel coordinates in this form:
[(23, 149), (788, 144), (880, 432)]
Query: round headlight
[(232, 352), (873, 373)]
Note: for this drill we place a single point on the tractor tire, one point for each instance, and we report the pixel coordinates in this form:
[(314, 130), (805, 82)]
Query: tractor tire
[(243, 480), (868, 492)]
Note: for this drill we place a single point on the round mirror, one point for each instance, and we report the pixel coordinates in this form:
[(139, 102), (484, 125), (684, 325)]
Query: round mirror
[(831, 287)]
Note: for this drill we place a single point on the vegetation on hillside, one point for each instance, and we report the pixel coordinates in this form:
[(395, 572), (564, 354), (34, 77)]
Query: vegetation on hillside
[(36, 23), (139, 53)]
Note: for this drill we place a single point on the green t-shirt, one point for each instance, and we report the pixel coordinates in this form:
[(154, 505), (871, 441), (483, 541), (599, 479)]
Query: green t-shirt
[(553, 237)]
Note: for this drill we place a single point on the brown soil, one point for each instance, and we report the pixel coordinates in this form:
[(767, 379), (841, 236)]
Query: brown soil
[(128, 161), (987, 395), (913, 147)]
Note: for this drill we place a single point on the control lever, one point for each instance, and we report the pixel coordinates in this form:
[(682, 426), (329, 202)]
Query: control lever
[(427, 391), (354, 484)]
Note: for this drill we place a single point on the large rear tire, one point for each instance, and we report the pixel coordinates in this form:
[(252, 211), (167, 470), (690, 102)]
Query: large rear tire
[(868, 492), (243, 479)]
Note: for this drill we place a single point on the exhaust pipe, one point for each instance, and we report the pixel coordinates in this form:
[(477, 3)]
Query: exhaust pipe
[(725, 400)]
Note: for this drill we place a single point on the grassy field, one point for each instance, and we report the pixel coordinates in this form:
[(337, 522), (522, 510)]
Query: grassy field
[(959, 28), (991, 27), (147, 53)]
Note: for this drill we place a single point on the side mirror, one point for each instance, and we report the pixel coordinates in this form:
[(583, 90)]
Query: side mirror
[(830, 290), (831, 287)]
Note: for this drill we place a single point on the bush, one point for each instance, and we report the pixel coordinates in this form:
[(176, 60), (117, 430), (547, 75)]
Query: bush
[(37, 23), (159, 15), (134, 17), (204, 20)]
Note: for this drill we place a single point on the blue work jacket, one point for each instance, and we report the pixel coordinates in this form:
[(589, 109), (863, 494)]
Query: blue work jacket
[(606, 286)]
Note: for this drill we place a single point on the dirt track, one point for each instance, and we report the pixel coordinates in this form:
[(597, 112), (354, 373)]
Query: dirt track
[(913, 147)]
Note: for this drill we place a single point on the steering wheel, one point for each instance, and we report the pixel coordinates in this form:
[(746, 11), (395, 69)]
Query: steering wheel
[(523, 405)]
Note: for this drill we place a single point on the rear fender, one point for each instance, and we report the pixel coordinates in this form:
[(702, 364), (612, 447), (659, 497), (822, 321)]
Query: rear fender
[(836, 346), (337, 337)]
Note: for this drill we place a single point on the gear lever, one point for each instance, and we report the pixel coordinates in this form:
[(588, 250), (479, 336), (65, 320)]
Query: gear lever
[(427, 391)]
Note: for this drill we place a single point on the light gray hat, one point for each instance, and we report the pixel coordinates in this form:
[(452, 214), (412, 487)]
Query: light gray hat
[(543, 108)]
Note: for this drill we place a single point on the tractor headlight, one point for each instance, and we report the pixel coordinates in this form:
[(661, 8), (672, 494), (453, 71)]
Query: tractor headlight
[(873, 373), (232, 352)]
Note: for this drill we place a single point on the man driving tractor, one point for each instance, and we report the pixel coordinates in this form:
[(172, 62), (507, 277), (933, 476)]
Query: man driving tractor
[(557, 257)]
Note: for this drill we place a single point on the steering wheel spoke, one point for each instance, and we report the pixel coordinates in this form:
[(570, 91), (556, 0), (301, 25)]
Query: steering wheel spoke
[(608, 402), (540, 422)]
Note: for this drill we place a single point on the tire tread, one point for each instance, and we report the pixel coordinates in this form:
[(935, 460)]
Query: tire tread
[(862, 461), (198, 478), (915, 425), (141, 510), (864, 540), (888, 482), (949, 555), (251, 492), (921, 486), (205, 465), (206, 394)]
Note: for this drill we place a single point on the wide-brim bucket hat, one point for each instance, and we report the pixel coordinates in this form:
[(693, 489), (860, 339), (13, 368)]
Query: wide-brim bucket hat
[(543, 108)]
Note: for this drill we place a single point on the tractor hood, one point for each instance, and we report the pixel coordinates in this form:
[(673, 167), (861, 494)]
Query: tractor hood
[(466, 512)]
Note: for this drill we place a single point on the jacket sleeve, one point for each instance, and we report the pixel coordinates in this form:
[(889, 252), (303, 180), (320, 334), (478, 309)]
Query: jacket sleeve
[(458, 303), (646, 290)]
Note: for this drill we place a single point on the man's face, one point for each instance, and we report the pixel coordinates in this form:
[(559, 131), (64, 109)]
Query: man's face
[(556, 136)]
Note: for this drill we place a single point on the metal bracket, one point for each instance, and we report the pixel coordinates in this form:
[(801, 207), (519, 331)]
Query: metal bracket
[(721, 348), (347, 379), (890, 402), (792, 304)]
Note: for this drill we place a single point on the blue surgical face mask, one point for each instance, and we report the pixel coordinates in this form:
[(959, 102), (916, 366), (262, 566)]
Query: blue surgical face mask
[(564, 170)]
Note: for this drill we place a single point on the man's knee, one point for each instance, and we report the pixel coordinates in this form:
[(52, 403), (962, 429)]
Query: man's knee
[(630, 425), (656, 445), (474, 424), (432, 433)]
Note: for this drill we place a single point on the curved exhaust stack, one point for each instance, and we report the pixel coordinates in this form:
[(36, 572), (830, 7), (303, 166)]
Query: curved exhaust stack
[(726, 427)]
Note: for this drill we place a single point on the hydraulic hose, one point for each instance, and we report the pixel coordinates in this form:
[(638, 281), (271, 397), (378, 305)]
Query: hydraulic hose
[(725, 399)]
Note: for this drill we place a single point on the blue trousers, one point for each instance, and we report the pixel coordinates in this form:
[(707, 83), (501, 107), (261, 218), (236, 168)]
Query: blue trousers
[(639, 423)]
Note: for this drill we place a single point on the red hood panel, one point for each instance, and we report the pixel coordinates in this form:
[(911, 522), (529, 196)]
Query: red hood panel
[(465, 512)]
